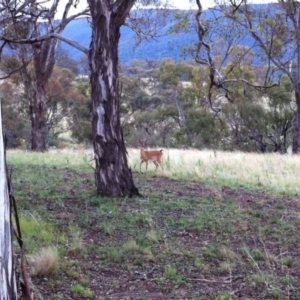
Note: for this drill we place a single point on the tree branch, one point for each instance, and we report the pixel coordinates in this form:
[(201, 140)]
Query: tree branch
[(44, 38)]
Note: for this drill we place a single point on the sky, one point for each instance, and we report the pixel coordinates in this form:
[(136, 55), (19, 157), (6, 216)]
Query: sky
[(180, 4), (186, 4)]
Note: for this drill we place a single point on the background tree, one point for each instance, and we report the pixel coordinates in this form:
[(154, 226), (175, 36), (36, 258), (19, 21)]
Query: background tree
[(172, 77), (80, 121), (16, 124), (274, 29), (65, 62), (280, 113), (38, 60), (228, 80), (63, 96)]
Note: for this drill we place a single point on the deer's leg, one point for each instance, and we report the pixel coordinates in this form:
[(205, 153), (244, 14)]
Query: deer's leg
[(156, 164), (162, 167), (141, 166)]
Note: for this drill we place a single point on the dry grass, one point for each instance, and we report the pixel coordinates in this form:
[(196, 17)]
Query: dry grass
[(45, 262), (274, 172), (278, 173)]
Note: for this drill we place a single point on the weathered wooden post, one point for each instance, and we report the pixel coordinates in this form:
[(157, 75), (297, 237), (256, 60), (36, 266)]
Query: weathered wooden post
[(8, 287)]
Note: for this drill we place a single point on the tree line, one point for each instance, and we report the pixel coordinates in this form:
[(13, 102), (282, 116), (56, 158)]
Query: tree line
[(163, 100)]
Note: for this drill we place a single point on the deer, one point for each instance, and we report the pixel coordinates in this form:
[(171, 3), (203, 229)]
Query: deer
[(150, 155)]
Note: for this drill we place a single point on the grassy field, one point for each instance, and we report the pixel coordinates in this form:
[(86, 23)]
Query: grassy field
[(273, 172), (212, 225)]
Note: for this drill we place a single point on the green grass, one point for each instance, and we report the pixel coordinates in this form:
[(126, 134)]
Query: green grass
[(59, 159), (38, 232), (82, 292), (179, 236)]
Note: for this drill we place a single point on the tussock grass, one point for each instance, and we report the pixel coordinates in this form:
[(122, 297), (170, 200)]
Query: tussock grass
[(45, 262), (37, 232), (275, 172), (81, 291), (76, 244), (153, 236)]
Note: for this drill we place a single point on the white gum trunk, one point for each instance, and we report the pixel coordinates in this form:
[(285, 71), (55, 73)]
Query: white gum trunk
[(8, 289)]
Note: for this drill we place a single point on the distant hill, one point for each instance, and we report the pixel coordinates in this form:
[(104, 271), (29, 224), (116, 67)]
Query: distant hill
[(166, 46)]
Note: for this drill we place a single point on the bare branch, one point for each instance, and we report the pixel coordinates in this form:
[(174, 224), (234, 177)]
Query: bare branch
[(44, 38)]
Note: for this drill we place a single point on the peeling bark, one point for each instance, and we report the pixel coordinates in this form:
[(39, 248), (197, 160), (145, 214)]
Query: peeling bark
[(113, 176), (8, 287)]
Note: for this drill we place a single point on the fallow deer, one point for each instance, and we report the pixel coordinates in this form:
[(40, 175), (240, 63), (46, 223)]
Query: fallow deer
[(150, 155)]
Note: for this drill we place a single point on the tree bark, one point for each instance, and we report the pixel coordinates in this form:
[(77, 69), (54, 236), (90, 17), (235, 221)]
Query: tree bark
[(8, 287), (38, 117), (35, 85), (112, 174), (293, 12), (296, 125), (181, 113)]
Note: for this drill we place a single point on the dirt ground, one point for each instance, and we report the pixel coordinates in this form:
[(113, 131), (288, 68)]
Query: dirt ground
[(213, 243)]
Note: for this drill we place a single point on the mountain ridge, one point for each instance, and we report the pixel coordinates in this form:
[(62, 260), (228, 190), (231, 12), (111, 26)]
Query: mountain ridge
[(79, 30), (168, 45)]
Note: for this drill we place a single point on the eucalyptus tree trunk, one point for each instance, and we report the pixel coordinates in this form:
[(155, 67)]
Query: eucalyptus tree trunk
[(295, 76), (112, 174), (43, 63), (296, 125), (8, 287), (38, 118), (35, 86), (181, 113)]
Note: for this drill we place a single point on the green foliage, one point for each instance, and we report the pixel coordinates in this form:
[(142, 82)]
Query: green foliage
[(200, 130), (252, 120), (171, 73), (81, 119), (14, 113)]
